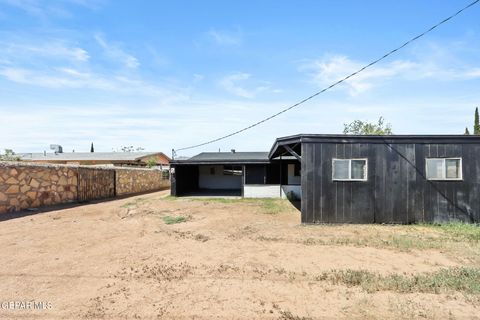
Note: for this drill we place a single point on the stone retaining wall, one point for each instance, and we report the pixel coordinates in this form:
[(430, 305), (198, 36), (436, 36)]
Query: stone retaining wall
[(139, 180), (27, 185)]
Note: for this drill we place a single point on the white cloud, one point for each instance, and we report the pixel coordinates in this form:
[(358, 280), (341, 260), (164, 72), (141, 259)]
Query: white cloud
[(226, 38), (69, 78), (46, 9), (230, 83), (54, 49), (330, 69), (198, 77), (116, 53)]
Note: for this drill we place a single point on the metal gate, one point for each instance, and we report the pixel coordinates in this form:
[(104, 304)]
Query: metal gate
[(94, 184)]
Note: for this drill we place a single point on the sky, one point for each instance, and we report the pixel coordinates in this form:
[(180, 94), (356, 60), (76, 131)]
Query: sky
[(169, 74)]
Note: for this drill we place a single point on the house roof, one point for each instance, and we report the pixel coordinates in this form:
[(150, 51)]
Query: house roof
[(225, 158), (298, 139), (89, 156)]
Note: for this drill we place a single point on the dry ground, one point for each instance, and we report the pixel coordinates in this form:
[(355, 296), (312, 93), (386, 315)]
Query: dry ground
[(153, 256)]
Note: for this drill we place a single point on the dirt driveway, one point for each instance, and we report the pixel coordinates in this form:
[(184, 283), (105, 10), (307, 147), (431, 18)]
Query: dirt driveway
[(153, 256)]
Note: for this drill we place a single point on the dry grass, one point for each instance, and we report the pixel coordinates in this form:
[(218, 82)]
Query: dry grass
[(460, 279), (233, 258)]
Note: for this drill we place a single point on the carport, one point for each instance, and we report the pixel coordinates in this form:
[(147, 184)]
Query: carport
[(218, 173)]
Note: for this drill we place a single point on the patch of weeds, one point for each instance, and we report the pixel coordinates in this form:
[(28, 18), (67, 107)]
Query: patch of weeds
[(287, 315), (272, 206), (135, 202), (462, 279), (462, 231), (201, 237), (158, 271), (128, 205), (217, 200), (173, 220), (272, 239)]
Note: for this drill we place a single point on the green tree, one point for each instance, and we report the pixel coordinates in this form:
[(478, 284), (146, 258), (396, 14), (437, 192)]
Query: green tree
[(9, 155), (476, 124), (360, 127), (151, 163), (91, 148), (467, 132)]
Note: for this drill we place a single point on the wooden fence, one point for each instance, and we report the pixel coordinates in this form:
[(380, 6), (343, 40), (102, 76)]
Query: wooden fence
[(94, 184)]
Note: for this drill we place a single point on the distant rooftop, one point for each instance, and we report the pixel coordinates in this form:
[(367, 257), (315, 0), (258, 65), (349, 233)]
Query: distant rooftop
[(226, 157), (87, 156)]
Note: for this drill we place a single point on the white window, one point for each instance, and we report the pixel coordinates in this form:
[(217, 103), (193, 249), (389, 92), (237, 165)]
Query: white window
[(444, 168), (349, 169)]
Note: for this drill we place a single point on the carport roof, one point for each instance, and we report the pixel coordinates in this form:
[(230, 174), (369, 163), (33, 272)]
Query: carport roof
[(226, 158)]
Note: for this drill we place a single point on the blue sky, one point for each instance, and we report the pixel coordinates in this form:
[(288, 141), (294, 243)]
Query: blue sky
[(168, 74)]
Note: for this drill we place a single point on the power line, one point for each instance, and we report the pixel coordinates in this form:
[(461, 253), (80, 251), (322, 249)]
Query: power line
[(333, 84)]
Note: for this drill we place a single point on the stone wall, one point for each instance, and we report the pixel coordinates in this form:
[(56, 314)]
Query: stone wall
[(33, 185), (27, 186), (139, 180)]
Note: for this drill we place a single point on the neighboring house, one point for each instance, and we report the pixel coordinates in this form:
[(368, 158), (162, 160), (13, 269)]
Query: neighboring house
[(137, 159), (354, 179)]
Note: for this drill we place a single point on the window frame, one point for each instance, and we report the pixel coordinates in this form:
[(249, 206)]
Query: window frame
[(350, 169), (444, 167)]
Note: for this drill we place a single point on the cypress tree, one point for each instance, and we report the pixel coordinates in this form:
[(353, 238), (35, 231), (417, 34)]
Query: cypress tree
[(476, 125), (91, 148), (467, 133)]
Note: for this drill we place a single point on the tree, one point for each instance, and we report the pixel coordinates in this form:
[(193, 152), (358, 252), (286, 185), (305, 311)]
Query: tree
[(9, 156), (132, 149), (91, 148), (467, 133), (151, 163), (476, 124), (360, 127)]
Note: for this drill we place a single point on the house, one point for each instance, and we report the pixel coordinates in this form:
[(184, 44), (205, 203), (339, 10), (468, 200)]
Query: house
[(354, 179), (137, 159)]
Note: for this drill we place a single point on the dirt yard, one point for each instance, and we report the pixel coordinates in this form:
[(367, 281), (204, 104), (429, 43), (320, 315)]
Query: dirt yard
[(153, 256)]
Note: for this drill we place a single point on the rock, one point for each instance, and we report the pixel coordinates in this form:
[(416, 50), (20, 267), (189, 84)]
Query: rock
[(63, 181), (3, 209), (13, 172), (34, 183), (24, 188), (3, 197), (21, 176), (14, 202), (11, 180), (12, 189), (32, 195)]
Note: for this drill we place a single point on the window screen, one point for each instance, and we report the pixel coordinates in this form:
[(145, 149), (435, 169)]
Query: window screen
[(444, 168), (349, 169)]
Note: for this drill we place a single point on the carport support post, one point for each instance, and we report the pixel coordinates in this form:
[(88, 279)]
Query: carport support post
[(280, 177), (244, 173)]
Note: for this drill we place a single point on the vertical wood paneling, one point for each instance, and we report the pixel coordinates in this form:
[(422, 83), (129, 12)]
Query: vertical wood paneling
[(396, 190), (94, 184)]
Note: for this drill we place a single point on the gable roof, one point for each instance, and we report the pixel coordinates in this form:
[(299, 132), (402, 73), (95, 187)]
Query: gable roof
[(226, 158), (89, 156)]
